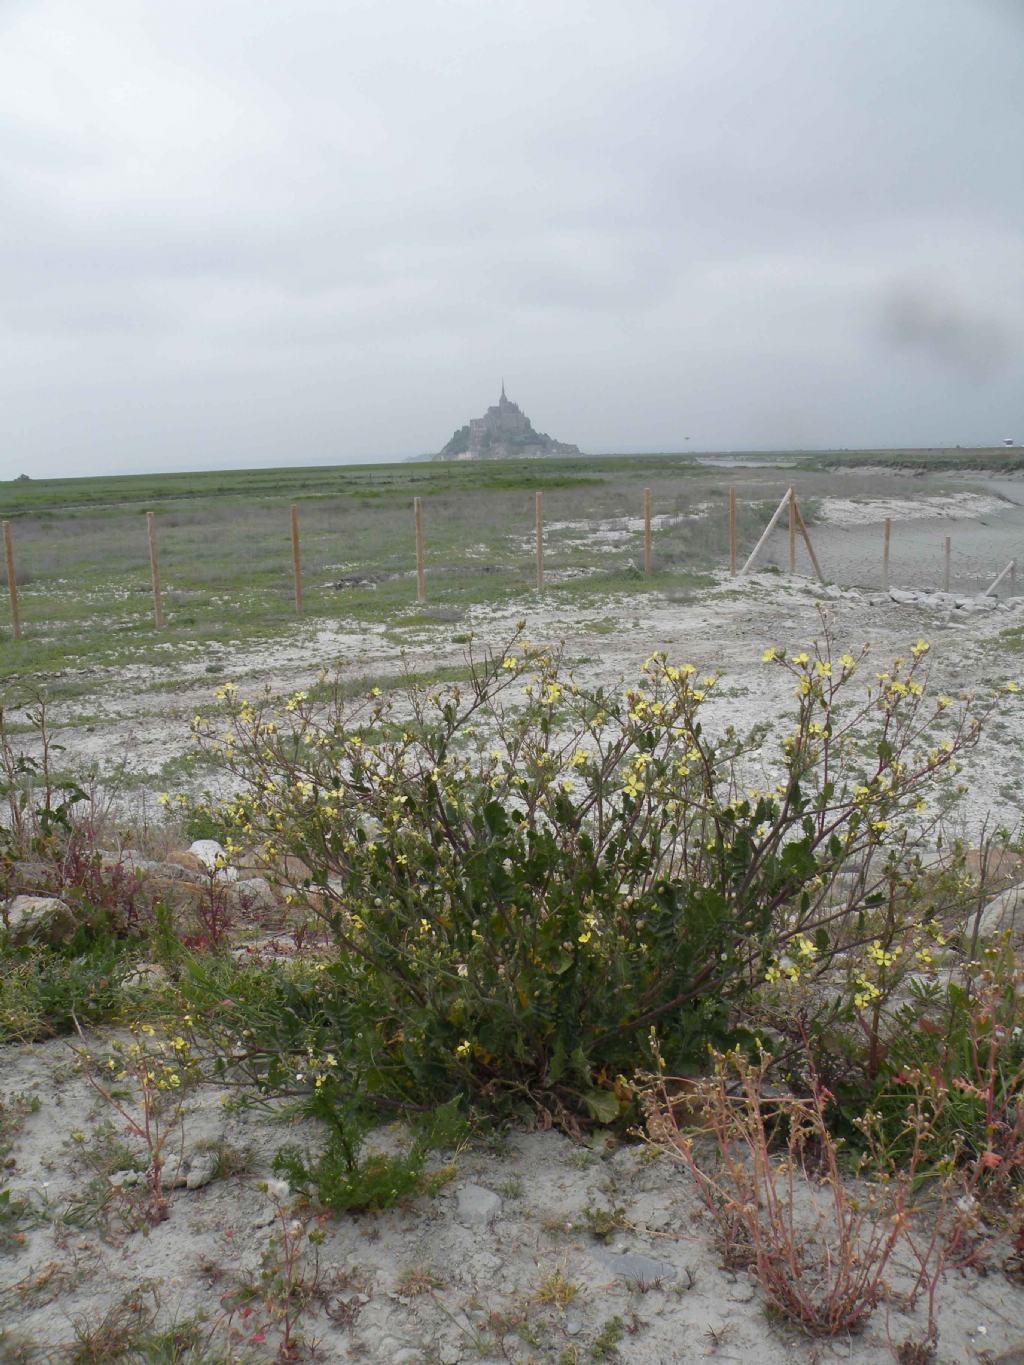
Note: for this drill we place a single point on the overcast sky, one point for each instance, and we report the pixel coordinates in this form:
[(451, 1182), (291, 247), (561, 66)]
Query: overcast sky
[(237, 233)]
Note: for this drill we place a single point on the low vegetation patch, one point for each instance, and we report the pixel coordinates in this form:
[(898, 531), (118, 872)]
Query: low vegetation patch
[(513, 895)]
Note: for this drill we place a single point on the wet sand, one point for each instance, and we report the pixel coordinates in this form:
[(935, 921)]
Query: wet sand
[(981, 546)]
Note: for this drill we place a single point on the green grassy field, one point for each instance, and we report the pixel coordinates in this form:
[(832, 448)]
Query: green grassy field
[(225, 555)]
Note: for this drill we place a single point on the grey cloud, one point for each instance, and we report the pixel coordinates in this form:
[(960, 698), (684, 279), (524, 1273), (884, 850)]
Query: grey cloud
[(926, 318), (232, 232)]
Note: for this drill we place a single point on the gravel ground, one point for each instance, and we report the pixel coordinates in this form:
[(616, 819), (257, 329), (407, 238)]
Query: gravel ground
[(501, 1265)]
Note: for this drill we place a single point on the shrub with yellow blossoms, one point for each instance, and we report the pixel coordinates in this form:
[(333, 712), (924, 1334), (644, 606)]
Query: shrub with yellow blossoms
[(521, 874)]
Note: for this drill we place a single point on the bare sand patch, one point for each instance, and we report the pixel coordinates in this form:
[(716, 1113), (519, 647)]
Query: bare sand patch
[(935, 507)]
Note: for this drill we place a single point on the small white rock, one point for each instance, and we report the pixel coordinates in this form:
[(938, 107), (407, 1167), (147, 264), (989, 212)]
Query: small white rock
[(201, 1170), (212, 856)]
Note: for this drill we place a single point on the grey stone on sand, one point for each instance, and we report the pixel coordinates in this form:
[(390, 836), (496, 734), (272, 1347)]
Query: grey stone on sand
[(131, 862), (476, 1207), (1002, 912), (146, 974), (255, 891), (633, 1268), (36, 919), (213, 857)]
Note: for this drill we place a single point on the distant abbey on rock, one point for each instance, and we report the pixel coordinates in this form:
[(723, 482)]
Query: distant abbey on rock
[(504, 432)]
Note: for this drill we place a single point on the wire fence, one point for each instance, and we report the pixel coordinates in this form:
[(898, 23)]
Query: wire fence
[(245, 565)]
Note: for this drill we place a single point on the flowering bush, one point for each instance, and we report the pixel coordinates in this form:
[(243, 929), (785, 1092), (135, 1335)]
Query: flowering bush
[(158, 1070), (521, 875)]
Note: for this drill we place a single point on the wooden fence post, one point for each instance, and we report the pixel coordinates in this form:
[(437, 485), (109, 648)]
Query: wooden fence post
[(999, 578), (807, 540), (647, 530), (12, 584), (539, 533), (886, 534), (768, 530), (792, 532), (732, 530), (154, 570), (947, 555), (421, 589), (296, 559)]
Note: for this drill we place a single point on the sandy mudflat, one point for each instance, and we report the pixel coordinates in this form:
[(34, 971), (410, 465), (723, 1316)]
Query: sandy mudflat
[(141, 717), (456, 1278)]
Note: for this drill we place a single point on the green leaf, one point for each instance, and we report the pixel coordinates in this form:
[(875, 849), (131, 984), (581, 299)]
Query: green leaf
[(496, 817), (602, 1104)]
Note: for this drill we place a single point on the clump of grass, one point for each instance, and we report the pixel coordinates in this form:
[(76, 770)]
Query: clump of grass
[(603, 1223), (344, 1178), (605, 1345), (556, 1289), (416, 1280)]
